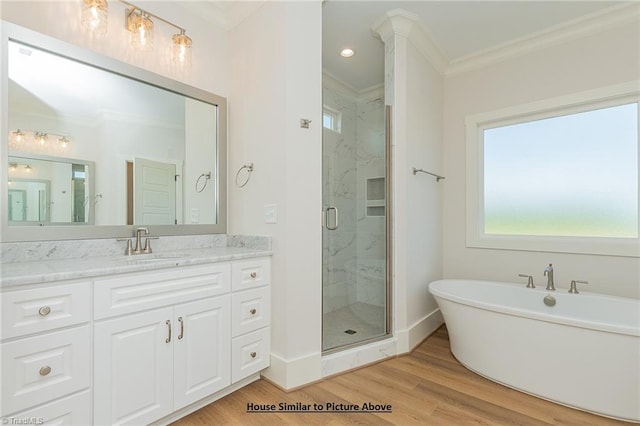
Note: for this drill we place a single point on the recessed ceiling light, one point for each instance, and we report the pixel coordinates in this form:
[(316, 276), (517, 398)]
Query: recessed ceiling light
[(347, 53)]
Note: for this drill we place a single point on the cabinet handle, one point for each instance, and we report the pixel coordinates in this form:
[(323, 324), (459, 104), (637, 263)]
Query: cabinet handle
[(45, 370), (253, 354), (44, 311), (181, 335), (168, 339), (253, 311), (253, 274)]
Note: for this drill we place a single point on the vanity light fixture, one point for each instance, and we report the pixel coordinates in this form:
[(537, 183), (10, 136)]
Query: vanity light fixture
[(347, 52), (141, 28), (64, 141), (138, 22), (181, 49), (28, 168), (95, 15), (18, 135), (41, 138), (36, 141), (13, 167)]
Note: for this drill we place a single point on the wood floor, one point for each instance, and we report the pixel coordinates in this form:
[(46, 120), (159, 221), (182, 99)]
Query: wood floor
[(426, 387)]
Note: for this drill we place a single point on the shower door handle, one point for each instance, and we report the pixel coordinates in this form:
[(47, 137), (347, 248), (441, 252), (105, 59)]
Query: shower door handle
[(326, 218)]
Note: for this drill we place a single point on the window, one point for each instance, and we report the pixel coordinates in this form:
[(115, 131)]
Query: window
[(331, 119), (556, 176)]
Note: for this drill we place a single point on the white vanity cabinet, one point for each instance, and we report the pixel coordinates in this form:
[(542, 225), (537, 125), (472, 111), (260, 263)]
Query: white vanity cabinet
[(160, 360), (251, 317), (163, 340), (134, 347), (46, 353)]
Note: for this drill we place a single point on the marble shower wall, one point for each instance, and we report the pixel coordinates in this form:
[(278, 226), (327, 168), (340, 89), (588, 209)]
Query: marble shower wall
[(350, 157), (371, 211)]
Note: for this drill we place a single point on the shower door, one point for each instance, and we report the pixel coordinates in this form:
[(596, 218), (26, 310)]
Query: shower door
[(355, 202)]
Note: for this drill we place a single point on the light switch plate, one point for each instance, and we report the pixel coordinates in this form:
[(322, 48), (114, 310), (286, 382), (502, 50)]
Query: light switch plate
[(270, 213)]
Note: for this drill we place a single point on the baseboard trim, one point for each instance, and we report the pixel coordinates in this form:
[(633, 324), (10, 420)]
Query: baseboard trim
[(292, 374), (410, 338)]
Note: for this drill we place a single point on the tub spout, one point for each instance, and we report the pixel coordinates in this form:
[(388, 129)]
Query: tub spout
[(548, 272)]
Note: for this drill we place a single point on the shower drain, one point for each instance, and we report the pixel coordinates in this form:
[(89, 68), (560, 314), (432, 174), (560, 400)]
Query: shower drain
[(349, 331)]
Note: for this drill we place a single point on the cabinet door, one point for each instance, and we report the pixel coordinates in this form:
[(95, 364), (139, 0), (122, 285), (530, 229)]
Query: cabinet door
[(133, 368), (202, 349)]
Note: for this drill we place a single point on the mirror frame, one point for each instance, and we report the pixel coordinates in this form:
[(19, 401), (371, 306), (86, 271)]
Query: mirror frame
[(68, 232)]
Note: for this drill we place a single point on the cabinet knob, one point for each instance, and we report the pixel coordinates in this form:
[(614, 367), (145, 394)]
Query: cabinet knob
[(253, 274), (45, 370), (253, 354), (253, 311), (44, 311)]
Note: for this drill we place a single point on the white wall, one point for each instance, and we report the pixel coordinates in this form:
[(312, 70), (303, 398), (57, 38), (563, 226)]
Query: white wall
[(199, 157), (424, 194), (414, 88), (275, 80), (597, 60)]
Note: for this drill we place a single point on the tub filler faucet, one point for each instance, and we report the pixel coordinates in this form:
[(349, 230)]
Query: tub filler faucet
[(548, 272)]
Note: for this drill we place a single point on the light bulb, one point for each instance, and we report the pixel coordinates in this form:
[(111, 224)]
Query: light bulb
[(41, 138), (141, 31), (63, 141), (18, 134), (181, 49), (95, 16)]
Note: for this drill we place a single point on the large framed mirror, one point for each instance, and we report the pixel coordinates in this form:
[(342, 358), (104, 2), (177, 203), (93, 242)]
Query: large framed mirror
[(93, 147)]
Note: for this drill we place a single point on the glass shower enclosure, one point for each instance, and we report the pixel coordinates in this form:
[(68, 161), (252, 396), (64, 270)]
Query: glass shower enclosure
[(355, 295)]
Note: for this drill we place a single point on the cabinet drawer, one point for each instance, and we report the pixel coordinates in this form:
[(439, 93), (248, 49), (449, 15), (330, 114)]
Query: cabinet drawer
[(250, 353), (31, 311), (130, 293), (250, 310), (251, 273), (72, 410), (39, 369)]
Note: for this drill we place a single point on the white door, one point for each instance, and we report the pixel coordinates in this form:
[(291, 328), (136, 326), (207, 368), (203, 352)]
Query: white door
[(154, 192), (133, 358), (202, 349), (17, 202)]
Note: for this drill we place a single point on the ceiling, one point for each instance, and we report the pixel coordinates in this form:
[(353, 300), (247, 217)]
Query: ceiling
[(457, 28)]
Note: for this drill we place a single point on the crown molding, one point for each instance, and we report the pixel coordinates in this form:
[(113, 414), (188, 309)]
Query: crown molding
[(332, 82), (399, 22), (582, 27)]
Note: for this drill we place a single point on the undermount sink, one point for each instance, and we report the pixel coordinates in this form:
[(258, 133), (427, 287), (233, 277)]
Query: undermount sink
[(153, 258)]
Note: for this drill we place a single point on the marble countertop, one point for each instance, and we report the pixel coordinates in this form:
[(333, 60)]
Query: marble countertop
[(42, 271)]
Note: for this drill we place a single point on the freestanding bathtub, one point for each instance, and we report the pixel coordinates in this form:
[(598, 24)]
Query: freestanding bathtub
[(583, 352)]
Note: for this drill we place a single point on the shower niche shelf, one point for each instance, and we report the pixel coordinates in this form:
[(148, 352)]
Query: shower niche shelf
[(376, 203)]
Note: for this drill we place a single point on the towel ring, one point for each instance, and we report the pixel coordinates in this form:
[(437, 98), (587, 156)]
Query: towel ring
[(249, 168), (206, 177)]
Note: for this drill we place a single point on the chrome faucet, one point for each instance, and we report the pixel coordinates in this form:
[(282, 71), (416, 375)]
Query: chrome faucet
[(548, 272), (138, 249)]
